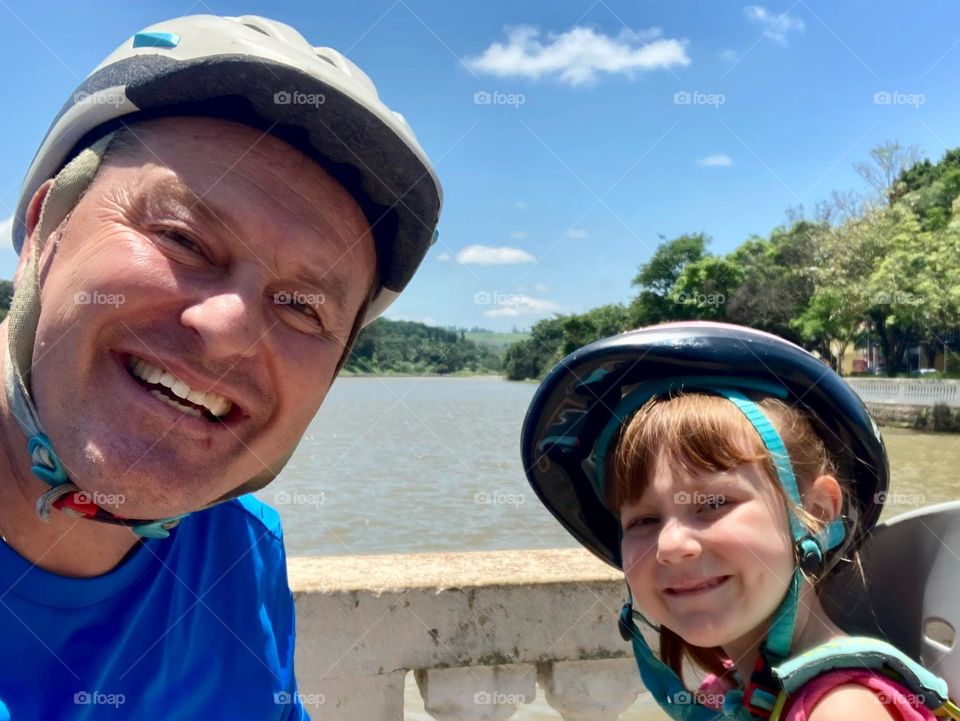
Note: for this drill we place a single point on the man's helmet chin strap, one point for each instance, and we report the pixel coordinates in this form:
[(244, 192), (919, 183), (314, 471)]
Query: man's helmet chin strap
[(68, 187), (760, 694)]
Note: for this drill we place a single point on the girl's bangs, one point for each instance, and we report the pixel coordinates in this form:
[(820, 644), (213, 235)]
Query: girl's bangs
[(696, 431)]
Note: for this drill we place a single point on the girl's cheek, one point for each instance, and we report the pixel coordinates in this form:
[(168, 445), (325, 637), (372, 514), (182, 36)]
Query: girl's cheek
[(635, 552)]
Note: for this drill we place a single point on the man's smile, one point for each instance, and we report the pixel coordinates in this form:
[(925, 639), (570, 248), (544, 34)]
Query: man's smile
[(183, 403), (162, 380)]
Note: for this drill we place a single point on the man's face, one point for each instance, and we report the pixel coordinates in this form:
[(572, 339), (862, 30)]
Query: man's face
[(224, 257)]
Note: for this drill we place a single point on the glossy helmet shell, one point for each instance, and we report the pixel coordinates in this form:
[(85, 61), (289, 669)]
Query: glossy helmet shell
[(575, 402)]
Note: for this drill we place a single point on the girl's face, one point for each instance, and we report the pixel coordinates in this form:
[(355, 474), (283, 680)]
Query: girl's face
[(709, 555)]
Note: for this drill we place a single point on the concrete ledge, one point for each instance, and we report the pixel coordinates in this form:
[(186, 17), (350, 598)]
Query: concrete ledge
[(370, 615), (329, 574), (938, 418)]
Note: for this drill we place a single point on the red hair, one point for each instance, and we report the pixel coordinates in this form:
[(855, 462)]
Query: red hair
[(704, 432)]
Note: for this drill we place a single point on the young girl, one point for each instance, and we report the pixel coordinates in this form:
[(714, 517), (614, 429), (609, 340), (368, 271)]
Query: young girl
[(728, 473)]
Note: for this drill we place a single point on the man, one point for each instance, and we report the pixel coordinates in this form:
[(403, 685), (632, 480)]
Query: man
[(209, 222)]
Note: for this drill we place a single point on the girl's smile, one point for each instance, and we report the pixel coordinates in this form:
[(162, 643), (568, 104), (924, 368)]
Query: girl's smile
[(686, 589)]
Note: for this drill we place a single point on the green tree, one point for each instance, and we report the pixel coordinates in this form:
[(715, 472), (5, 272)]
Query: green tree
[(704, 287), (533, 357), (778, 280), (579, 330), (888, 162), (917, 282), (657, 277), (407, 347), (845, 258)]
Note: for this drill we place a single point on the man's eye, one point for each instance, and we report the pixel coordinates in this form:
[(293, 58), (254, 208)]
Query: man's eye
[(299, 305), (180, 239), (307, 310)]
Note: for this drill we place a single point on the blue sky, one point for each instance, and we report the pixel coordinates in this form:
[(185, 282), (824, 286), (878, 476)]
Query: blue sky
[(569, 136)]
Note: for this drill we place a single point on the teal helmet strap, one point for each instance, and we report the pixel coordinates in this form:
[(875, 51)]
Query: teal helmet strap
[(68, 187), (811, 549), (668, 689)]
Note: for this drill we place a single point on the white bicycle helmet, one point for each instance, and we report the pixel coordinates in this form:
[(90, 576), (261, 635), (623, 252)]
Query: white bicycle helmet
[(263, 73)]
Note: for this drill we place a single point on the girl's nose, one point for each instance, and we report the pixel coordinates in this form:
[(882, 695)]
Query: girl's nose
[(676, 542)]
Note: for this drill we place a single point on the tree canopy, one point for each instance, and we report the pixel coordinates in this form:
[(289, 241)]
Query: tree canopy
[(886, 265)]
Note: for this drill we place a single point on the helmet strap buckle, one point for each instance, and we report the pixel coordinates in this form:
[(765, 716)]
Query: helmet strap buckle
[(809, 555)]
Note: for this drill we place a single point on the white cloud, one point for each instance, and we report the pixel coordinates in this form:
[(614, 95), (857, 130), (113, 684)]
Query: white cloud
[(518, 234), (718, 160), (778, 25), (579, 54), (6, 233), (577, 233), (444, 258), (540, 288), (486, 255), (728, 55), (517, 305)]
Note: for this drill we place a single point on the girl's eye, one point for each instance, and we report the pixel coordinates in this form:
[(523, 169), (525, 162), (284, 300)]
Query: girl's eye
[(640, 522), (715, 504)]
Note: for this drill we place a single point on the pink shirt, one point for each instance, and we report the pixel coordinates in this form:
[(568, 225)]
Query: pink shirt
[(901, 704)]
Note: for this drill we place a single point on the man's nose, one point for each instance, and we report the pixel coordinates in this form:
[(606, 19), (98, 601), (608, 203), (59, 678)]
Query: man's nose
[(677, 542), (230, 323)]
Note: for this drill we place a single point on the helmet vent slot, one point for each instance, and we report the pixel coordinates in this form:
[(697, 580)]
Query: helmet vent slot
[(257, 28)]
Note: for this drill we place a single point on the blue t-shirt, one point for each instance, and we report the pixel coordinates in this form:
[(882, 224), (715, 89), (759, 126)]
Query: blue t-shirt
[(199, 625)]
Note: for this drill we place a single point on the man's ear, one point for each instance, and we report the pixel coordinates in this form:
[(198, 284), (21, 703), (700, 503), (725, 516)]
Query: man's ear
[(824, 499), (30, 225)]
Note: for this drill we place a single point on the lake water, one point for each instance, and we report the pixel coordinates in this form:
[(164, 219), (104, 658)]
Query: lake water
[(403, 465)]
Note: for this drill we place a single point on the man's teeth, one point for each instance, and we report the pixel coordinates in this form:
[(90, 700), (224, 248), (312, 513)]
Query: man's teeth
[(179, 406), (216, 404)]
